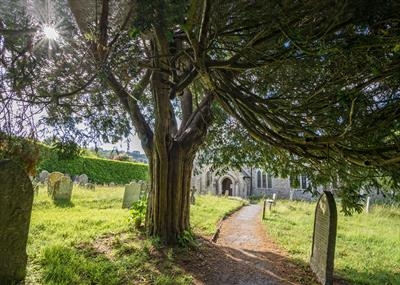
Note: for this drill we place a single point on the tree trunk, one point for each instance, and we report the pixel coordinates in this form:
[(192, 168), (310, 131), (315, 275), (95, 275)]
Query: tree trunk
[(169, 199)]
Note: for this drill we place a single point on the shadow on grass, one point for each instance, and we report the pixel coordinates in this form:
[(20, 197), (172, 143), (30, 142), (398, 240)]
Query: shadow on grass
[(110, 259), (63, 204), (213, 264)]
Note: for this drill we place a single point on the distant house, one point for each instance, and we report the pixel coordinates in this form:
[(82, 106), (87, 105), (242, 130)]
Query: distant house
[(247, 182)]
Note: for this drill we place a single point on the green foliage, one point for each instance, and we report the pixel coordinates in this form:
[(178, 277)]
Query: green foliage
[(98, 170), (367, 251), (208, 210), (187, 239), (138, 212)]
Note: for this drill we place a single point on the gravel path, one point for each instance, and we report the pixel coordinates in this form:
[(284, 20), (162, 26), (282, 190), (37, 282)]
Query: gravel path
[(244, 255)]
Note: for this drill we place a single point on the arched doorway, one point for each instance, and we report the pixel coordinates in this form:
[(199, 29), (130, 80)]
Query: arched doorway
[(227, 185)]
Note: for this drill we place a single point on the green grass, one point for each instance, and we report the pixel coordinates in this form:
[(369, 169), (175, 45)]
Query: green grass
[(367, 245), (208, 210), (91, 241)]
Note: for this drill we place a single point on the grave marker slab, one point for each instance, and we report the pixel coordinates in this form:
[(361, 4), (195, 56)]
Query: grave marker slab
[(131, 194), (63, 189), (324, 238), (43, 176), (83, 179), (51, 180), (16, 198)]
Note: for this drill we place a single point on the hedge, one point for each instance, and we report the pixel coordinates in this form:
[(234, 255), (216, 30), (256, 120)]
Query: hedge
[(97, 169)]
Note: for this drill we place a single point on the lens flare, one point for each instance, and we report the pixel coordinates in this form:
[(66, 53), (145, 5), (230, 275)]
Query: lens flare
[(50, 33)]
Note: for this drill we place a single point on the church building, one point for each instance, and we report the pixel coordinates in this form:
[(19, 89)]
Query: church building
[(246, 182)]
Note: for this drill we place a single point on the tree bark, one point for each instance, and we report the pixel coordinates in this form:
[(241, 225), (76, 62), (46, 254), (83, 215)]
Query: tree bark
[(168, 205)]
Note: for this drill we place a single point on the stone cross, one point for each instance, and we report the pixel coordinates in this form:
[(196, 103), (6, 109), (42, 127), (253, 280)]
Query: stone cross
[(131, 194), (324, 238), (16, 198)]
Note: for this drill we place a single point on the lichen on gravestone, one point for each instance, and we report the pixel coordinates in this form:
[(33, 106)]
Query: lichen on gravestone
[(51, 180), (16, 198), (63, 189)]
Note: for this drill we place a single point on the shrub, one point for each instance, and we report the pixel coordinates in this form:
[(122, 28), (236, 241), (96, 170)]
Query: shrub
[(97, 169)]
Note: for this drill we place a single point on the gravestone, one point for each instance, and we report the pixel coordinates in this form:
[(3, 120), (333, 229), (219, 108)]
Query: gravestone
[(324, 238), (43, 176), (83, 179), (16, 198), (51, 180), (274, 196), (131, 194), (226, 193), (192, 198), (368, 205), (291, 195), (63, 189)]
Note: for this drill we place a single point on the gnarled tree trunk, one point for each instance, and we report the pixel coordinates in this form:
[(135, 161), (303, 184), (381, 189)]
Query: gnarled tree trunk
[(168, 206)]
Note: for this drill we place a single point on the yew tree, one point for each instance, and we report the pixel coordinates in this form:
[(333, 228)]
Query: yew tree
[(316, 79)]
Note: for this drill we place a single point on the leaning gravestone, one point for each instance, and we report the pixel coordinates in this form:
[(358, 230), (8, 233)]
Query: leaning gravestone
[(16, 197), (51, 180), (131, 194), (324, 238), (63, 189)]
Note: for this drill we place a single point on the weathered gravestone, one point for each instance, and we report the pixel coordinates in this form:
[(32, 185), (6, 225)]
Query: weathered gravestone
[(192, 197), (324, 238), (131, 194), (368, 205), (62, 189), (43, 176), (51, 180), (16, 197), (83, 179)]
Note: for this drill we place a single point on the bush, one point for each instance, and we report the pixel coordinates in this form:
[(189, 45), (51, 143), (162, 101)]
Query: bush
[(97, 169)]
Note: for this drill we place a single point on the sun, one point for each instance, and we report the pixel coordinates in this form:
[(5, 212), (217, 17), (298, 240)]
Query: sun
[(50, 33)]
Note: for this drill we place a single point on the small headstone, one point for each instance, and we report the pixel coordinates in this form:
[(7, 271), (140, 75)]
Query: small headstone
[(291, 195), (226, 193), (192, 197), (144, 188), (112, 184), (274, 196), (43, 176), (51, 180), (131, 194), (324, 238), (368, 205), (16, 198), (63, 189), (83, 179)]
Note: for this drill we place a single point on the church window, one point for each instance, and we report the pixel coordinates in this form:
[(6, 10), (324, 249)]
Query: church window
[(259, 179)]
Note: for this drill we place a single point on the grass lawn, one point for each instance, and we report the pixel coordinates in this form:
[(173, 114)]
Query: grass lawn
[(367, 245), (91, 241)]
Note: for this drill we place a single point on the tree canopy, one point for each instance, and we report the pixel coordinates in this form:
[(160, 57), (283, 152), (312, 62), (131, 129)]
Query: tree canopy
[(315, 80)]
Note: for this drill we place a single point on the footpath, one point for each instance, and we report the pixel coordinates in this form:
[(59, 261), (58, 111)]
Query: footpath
[(244, 255)]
